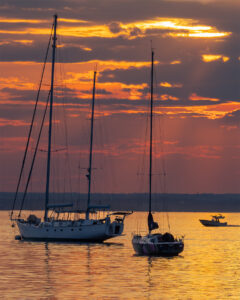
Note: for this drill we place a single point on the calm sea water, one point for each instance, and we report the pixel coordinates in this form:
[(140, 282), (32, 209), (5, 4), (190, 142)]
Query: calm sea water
[(209, 267)]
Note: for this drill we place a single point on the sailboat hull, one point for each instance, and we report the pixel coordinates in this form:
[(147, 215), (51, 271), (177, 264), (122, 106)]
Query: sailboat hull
[(70, 231), (145, 246)]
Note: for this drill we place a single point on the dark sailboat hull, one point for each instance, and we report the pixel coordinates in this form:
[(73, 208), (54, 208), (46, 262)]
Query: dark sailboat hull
[(145, 247)]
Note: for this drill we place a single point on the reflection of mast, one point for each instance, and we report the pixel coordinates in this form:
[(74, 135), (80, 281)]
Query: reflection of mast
[(149, 260), (89, 262), (89, 175), (48, 279)]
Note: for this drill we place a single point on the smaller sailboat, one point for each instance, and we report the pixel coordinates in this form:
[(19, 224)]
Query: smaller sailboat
[(215, 221), (155, 243), (55, 227)]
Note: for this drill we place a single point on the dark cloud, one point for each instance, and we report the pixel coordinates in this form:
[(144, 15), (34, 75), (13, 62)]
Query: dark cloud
[(214, 79), (115, 27), (224, 13), (232, 118), (192, 133)]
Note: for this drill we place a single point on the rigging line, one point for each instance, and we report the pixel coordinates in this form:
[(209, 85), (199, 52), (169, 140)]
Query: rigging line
[(67, 156), (31, 127), (66, 177), (64, 106), (34, 156), (163, 162)]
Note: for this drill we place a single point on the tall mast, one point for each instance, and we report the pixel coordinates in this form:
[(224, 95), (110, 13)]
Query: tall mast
[(91, 147), (150, 143), (50, 119)]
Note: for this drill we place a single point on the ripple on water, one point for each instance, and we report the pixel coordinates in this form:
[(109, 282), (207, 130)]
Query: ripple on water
[(209, 267)]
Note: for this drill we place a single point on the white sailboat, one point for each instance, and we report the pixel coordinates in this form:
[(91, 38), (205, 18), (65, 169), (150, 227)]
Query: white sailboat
[(57, 228), (155, 243)]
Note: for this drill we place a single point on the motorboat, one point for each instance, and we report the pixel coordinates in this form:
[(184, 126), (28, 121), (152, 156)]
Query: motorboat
[(215, 221)]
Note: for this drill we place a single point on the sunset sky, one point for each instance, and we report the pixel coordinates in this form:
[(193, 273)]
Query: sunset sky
[(197, 92)]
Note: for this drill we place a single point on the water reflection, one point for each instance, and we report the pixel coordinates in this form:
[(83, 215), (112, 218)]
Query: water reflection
[(157, 268), (149, 278), (48, 286), (207, 269)]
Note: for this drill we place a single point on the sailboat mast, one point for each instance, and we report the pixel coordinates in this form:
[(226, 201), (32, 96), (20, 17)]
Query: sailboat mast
[(89, 175), (150, 142), (50, 120)]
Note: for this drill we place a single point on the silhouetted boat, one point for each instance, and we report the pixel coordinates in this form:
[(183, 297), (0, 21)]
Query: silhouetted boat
[(215, 221), (56, 228), (155, 243)]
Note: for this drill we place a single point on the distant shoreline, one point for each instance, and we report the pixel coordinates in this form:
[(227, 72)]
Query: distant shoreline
[(133, 201)]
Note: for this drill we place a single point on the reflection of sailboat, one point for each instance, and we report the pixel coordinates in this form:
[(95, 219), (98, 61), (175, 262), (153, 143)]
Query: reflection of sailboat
[(56, 227), (215, 221), (155, 244)]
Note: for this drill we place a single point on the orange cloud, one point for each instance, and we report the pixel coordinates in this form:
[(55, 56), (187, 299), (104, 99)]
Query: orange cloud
[(168, 84), (30, 21), (175, 62), (229, 127), (208, 111), (165, 97), (200, 151), (16, 83), (6, 122), (195, 97), (212, 57), (187, 28), (201, 34)]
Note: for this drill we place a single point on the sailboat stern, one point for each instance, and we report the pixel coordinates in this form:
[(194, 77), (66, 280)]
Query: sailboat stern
[(115, 229)]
